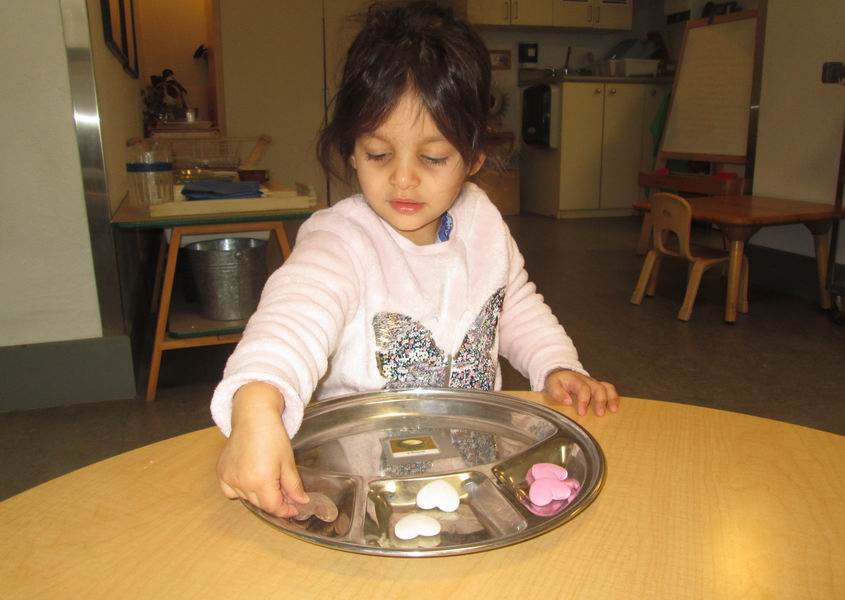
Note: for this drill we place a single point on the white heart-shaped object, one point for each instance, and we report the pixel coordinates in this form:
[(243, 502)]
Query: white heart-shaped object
[(415, 525), (438, 494)]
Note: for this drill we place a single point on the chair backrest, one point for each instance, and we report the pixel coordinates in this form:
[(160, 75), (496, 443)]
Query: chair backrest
[(671, 215)]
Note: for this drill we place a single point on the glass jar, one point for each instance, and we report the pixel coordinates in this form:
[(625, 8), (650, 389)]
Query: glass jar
[(149, 168)]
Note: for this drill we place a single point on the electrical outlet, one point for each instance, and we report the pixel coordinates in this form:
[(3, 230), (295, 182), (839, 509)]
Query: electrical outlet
[(833, 72)]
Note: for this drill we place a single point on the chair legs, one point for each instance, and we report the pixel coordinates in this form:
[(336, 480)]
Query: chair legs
[(647, 283), (652, 281), (645, 277), (692, 290)]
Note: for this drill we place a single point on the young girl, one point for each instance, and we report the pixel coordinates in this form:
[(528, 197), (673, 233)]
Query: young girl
[(414, 282)]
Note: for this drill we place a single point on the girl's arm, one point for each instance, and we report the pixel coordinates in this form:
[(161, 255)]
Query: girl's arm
[(534, 342), (275, 368), (530, 336), (296, 327)]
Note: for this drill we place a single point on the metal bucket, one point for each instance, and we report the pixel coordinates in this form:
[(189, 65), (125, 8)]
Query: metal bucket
[(229, 274)]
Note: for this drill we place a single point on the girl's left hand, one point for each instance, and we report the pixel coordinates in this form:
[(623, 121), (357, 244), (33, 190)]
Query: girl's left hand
[(569, 387)]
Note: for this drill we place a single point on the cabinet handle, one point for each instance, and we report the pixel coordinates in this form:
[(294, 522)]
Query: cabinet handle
[(589, 14), (505, 10), (596, 91), (516, 11), (612, 91)]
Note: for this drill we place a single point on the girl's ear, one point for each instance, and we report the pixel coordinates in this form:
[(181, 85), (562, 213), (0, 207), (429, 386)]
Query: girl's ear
[(353, 163), (476, 166)]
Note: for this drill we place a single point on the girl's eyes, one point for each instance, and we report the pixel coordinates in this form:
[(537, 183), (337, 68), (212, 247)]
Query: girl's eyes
[(435, 161), (432, 160)]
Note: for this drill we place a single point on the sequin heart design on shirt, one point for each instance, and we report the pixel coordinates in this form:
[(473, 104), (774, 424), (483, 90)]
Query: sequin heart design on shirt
[(407, 355)]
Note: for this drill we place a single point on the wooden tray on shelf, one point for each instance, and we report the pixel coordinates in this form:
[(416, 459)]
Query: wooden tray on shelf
[(276, 199)]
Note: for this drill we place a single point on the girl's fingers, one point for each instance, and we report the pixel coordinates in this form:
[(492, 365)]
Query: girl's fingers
[(582, 394), (271, 500), (252, 498), (599, 395), (292, 486), (612, 396), (228, 490)]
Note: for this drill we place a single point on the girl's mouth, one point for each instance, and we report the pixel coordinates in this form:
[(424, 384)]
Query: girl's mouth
[(406, 207)]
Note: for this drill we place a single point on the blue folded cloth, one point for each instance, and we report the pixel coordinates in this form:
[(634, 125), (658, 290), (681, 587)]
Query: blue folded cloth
[(208, 189)]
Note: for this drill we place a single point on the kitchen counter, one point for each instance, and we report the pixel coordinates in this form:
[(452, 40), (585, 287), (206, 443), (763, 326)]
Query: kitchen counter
[(548, 77)]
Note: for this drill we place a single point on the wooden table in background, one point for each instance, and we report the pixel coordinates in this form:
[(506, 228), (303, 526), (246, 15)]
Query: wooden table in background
[(201, 331), (698, 503), (740, 217)]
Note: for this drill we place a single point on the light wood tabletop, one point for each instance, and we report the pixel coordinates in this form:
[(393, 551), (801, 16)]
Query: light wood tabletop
[(698, 503), (741, 216)]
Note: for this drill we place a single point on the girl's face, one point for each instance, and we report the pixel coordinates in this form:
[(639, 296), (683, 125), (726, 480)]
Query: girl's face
[(409, 173)]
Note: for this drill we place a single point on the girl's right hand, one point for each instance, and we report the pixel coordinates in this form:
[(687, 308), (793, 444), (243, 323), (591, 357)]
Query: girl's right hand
[(257, 463)]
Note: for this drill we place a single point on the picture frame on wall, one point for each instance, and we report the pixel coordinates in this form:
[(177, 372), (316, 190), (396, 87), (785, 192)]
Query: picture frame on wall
[(500, 60), (119, 32)]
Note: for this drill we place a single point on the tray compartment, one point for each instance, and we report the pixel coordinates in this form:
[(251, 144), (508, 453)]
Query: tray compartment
[(483, 513), (342, 490), (560, 450)]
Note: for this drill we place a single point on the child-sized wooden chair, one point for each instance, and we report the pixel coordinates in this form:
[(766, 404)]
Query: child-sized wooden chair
[(672, 214)]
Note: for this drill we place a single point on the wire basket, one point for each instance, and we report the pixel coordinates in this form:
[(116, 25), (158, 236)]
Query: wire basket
[(210, 153)]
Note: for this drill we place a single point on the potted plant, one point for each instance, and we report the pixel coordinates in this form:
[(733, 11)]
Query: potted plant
[(164, 99)]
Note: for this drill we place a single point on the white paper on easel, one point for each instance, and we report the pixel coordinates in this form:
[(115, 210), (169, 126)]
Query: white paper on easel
[(712, 97)]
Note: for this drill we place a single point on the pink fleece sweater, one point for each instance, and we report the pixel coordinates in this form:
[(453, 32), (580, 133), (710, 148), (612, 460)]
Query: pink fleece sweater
[(357, 307)]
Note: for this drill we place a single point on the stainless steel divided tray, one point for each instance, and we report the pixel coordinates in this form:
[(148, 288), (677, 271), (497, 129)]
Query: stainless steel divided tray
[(371, 453)]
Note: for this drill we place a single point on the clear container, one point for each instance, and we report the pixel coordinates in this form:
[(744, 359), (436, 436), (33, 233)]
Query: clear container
[(149, 168)]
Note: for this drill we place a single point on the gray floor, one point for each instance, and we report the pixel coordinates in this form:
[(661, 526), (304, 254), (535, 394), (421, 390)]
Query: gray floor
[(782, 361)]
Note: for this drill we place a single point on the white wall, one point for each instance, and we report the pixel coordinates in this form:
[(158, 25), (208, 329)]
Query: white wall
[(48, 291), (168, 34), (801, 119), (273, 82), (120, 106)]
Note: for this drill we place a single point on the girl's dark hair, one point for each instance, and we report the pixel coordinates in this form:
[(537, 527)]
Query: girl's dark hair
[(422, 47)]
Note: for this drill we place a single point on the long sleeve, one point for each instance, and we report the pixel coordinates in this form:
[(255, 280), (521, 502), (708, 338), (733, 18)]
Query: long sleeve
[(296, 327), (530, 336)]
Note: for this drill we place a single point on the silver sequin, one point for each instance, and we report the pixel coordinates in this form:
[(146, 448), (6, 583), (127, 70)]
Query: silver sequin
[(407, 355)]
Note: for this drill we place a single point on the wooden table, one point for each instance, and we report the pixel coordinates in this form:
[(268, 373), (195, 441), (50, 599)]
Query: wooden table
[(201, 332), (740, 217), (698, 503)]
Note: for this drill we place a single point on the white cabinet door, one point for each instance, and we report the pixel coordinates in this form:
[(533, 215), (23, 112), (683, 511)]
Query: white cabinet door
[(531, 12), (572, 13), (581, 145), (613, 14), (510, 12), (621, 144), (488, 12), (603, 14)]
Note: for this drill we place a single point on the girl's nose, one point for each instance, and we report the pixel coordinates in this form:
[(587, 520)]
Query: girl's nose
[(404, 176)]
